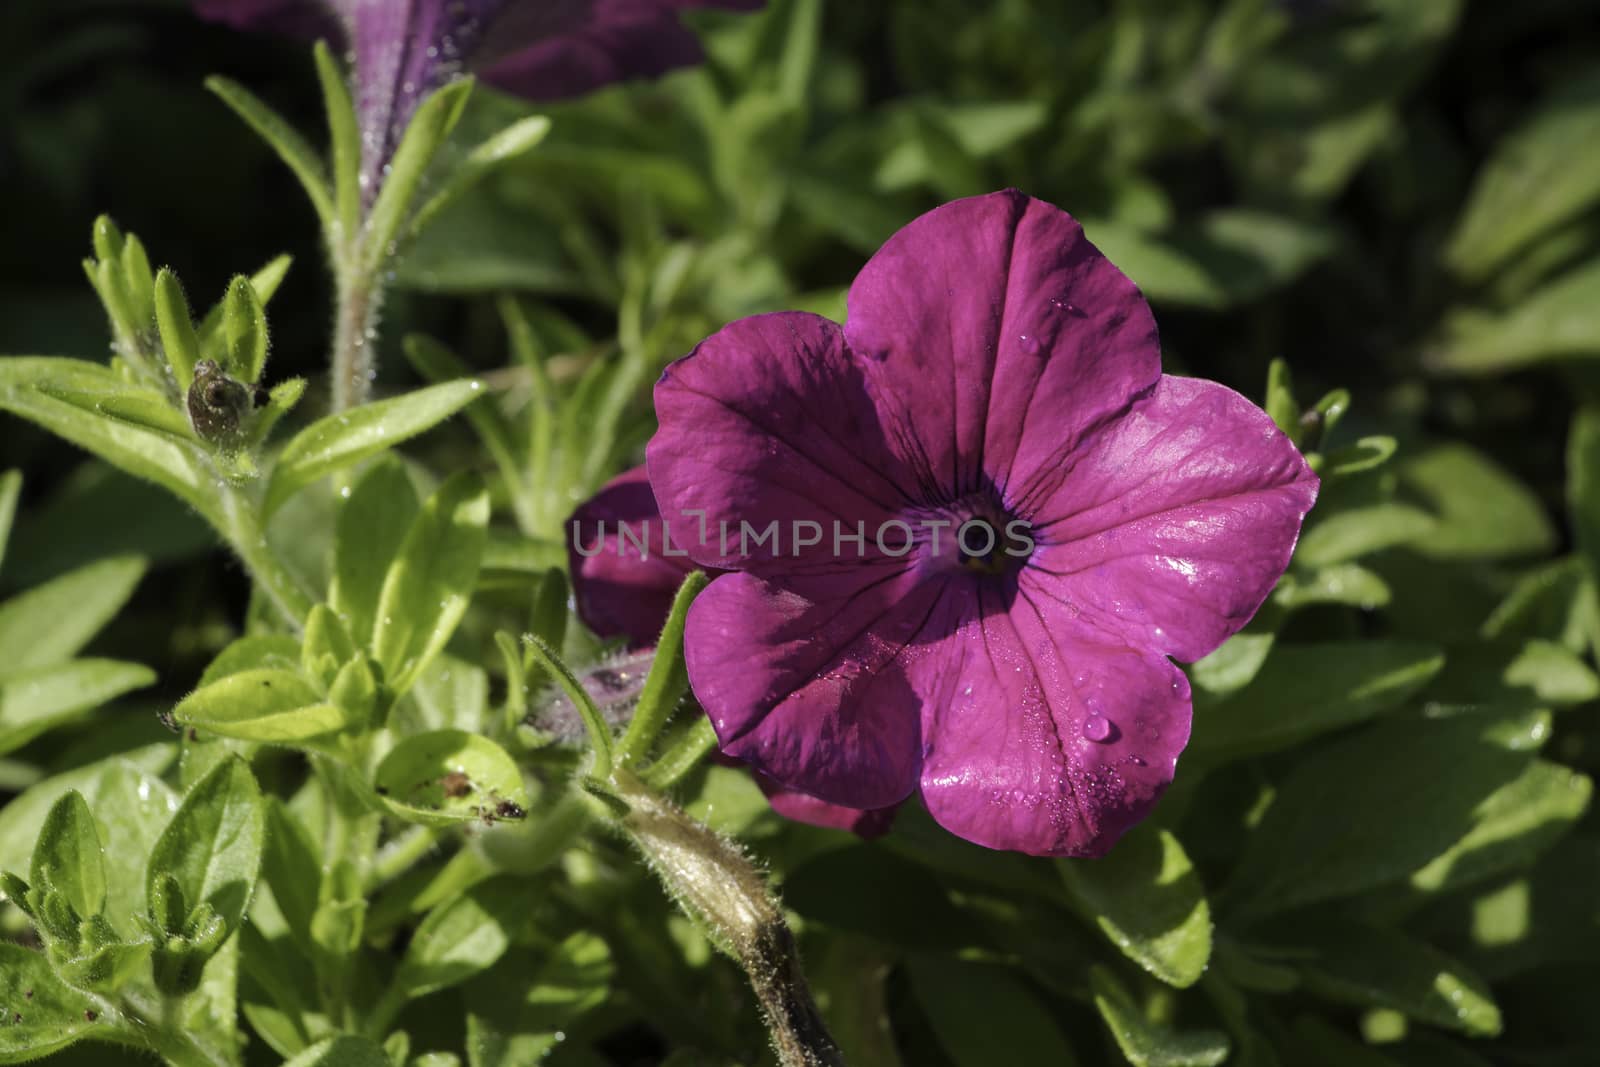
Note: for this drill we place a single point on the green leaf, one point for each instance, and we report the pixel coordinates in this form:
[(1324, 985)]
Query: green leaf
[(256, 652), (1484, 511), (265, 282), (1233, 666), (668, 679), (1560, 319), (373, 521), (1514, 673), (338, 441), (1514, 824), (1545, 173), (178, 337), (1344, 583), (450, 776), (1557, 602), (46, 1014), (1282, 407), (261, 705), (244, 331), (1355, 532), (25, 391), (1370, 809), (1147, 1043), (291, 866), (10, 490), (521, 136), (344, 133), (131, 807), (66, 858), (449, 693), (1363, 965), (519, 1022), (52, 622), (1366, 454), (463, 936), (212, 846), (42, 698), (346, 1050), (426, 590), (403, 176), (1305, 690), (1583, 482), (326, 647), (1146, 897), (281, 136), (985, 1014)]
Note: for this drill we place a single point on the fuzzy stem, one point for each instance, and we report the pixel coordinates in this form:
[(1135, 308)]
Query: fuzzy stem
[(717, 885), (243, 530), (360, 297)]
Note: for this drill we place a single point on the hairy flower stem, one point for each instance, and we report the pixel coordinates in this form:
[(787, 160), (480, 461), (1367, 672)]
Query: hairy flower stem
[(353, 360), (717, 885)]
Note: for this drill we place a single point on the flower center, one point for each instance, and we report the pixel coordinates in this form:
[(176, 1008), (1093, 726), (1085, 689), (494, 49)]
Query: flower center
[(978, 547), (977, 537)]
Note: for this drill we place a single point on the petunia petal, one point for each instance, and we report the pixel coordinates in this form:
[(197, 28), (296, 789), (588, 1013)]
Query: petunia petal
[(769, 421), (1048, 738), (559, 48), (811, 686), (1171, 525), (996, 335), (802, 807), (624, 573)]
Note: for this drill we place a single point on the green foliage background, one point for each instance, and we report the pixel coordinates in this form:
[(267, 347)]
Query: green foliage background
[(1380, 848)]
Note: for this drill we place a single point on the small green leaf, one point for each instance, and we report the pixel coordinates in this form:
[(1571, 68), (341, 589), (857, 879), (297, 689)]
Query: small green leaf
[(149, 410), (256, 652), (1344, 583), (326, 647), (426, 590), (25, 391), (514, 1023), (1148, 1043), (66, 858), (42, 698), (985, 1014), (244, 331), (1305, 690), (1147, 898), (261, 705), (1355, 532), (373, 521), (281, 400), (1484, 511), (521, 136), (1558, 320), (426, 132), (213, 345), (52, 622), (178, 337), (668, 679), (345, 138), (212, 846), (354, 691), (281, 136), (1281, 404), (10, 490), (1365, 455), (1544, 173), (291, 866), (1370, 809), (108, 240), (450, 776), (1514, 824), (45, 1013), (346, 1050), (1234, 665), (1363, 965), (463, 936), (337, 441), (1583, 482)]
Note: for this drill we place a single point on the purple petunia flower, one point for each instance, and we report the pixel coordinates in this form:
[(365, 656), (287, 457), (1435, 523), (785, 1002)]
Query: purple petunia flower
[(996, 375), (540, 49), (624, 584)]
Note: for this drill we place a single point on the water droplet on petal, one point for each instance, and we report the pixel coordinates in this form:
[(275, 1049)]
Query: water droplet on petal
[(1029, 344), (1097, 728)]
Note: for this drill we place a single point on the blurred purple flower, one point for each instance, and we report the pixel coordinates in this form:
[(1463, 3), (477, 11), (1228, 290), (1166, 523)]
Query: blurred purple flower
[(540, 49), (995, 369), (623, 590)]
